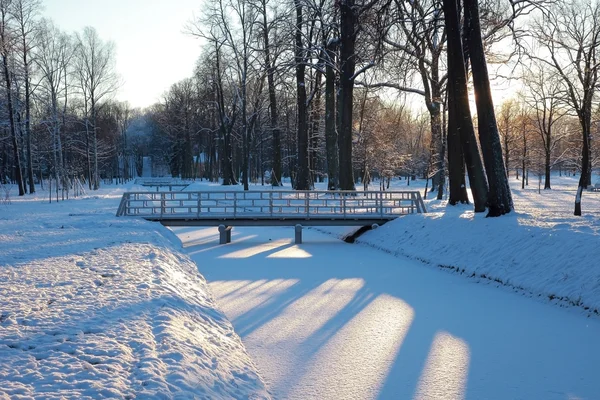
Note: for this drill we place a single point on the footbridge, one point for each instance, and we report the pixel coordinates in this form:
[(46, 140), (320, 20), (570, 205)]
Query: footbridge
[(225, 209)]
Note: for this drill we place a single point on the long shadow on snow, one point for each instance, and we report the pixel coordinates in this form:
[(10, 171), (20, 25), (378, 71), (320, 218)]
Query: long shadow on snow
[(442, 304)]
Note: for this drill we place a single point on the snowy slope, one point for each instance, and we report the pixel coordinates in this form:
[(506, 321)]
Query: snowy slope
[(542, 249), (92, 306)]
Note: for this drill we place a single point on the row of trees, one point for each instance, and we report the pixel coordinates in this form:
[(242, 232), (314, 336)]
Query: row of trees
[(54, 87), (541, 137), (306, 58), (309, 89)]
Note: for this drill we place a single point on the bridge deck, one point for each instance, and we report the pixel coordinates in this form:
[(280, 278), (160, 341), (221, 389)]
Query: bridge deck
[(270, 207), (257, 220)]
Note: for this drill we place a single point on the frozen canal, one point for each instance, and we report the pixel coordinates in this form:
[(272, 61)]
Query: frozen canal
[(330, 320)]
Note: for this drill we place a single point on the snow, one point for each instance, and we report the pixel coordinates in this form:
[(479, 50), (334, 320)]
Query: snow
[(92, 306), (542, 249), (329, 320)]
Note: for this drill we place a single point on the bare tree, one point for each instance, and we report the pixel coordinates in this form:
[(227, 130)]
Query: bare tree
[(53, 53), (7, 49), (352, 15), (544, 99), (569, 34), (124, 116), (460, 124), (24, 12), (499, 195), (303, 177), (507, 118), (416, 38), (267, 28), (94, 64)]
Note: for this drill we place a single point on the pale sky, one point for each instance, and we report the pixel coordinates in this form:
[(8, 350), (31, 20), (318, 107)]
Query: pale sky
[(152, 50)]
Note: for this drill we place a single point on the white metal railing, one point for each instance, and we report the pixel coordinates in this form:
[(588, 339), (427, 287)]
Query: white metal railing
[(271, 204), (163, 184)]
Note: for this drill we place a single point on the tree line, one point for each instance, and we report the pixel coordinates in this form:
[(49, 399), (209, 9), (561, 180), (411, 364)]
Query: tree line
[(59, 122), (309, 89)]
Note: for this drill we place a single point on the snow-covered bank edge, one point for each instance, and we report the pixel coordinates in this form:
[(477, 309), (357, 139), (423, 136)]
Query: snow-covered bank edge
[(557, 264), (94, 306)]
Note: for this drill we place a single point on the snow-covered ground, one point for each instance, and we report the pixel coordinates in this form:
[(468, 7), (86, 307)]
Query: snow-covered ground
[(94, 306), (97, 306), (328, 320), (542, 249)]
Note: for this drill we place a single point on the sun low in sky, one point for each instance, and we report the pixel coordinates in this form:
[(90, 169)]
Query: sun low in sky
[(153, 51)]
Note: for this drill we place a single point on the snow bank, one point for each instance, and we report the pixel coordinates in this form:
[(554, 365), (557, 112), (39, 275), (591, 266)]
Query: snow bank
[(92, 306), (542, 249)]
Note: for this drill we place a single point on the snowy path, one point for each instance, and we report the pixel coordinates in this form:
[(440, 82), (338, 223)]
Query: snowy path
[(328, 320)]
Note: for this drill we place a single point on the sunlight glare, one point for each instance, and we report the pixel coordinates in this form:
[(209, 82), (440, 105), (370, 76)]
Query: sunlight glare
[(291, 252), (363, 350), (259, 248), (306, 315), (446, 369)]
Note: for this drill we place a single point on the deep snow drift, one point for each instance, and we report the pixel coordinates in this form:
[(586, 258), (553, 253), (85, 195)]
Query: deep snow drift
[(92, 306)]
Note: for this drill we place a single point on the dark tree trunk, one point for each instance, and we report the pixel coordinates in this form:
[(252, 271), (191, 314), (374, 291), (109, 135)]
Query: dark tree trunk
[(276, 172), (11, 118), (456, 161), (188, 158), (506, 152), (524, 160), (225, 126), (348, 22), (462, 113), (547, 160), (442, 162), (330, 118), (28, 119), (315, 124), (87, 151), (585, 178), (303, 178), (96, 176), (499, 196)]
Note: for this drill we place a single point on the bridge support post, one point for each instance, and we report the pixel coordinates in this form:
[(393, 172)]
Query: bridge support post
[(224, 234), (298, 238)]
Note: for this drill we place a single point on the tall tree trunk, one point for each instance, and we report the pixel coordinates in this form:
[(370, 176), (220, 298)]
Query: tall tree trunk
[(28, 120), (506, 153), (276, 133), (348, 22), (547, 160), (524, 160), (11, 118), (462, 114), (96, 177), (456, 160), (585, 178), (331, 150), (87, 151), (314, 126), (245, 130), (499, 196), (441, 175), (226, 154), (303, 178)]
